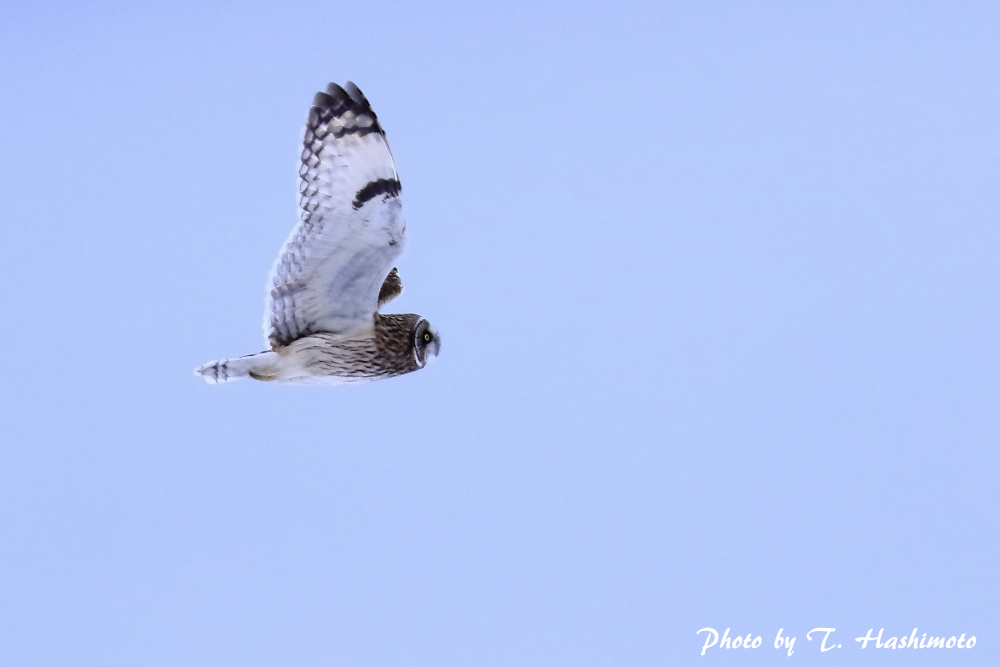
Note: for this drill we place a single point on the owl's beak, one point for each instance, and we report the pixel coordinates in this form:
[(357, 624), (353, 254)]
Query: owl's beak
[(435, 345)]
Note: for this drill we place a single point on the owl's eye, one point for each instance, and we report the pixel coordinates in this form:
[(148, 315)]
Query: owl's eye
[(427, 337)]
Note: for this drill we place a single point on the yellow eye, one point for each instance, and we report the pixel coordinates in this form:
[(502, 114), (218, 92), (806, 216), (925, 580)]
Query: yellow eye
[(427, 337)]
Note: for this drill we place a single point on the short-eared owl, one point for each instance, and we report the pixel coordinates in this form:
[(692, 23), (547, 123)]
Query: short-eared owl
[(336, 271)]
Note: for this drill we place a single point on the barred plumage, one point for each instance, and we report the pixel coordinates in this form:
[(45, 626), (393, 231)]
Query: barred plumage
[(336, 268)]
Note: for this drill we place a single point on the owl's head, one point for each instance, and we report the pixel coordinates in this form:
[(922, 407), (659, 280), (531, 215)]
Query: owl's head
[(426, 343)]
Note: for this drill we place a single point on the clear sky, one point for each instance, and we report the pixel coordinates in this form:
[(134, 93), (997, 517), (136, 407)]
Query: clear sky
[(717, 286)]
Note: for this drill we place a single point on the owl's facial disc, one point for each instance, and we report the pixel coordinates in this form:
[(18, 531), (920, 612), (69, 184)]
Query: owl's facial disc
[(426, 343), (433, 344)]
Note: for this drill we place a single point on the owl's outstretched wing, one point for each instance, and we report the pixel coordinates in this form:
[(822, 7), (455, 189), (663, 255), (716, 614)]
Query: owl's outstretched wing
[(333, 265)]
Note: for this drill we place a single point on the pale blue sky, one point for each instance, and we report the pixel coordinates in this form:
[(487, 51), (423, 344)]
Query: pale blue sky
[(717, 286)]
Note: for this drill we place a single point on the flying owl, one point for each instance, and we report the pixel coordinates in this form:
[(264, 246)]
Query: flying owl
[(335, 271)]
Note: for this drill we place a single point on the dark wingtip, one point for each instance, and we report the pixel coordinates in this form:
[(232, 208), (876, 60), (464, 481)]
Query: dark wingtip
[(335, 91), (349, 96), (356, 94), (336, 101), (323, 100)]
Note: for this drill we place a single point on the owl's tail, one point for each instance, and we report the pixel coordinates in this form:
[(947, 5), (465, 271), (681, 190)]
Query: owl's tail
[(260, 366)]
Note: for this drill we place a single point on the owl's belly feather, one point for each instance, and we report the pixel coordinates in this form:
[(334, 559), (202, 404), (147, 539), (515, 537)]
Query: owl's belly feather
[(332, 359)]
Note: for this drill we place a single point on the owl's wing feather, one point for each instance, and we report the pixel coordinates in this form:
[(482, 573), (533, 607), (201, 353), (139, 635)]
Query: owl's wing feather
[(329, 272), (391, 288)]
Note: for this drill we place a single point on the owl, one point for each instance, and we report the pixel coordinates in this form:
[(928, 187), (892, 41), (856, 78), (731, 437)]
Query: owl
[(335, 271)]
